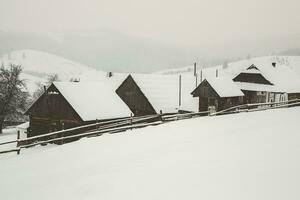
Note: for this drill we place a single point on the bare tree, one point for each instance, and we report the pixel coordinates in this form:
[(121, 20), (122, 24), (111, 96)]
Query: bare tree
[(13, 94), (41, 87)]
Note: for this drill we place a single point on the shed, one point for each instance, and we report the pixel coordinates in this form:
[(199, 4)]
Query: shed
[(69, 104), (218, 92)]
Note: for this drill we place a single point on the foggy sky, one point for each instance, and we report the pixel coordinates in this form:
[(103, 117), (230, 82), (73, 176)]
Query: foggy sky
[(185, 22)]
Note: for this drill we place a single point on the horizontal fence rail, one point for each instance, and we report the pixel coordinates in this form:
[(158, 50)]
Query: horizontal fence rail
[(255, 107), (184, 115), (92, 133), (9, 142), (100, 127), (9, 151), (119, 125), (99, 124)]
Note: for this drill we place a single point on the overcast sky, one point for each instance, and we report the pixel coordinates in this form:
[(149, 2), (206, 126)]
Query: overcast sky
[(182, 22)]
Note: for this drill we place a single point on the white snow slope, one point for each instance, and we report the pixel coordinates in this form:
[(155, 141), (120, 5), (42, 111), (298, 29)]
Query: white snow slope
[(240, 156), (37, 65), (234, 68)]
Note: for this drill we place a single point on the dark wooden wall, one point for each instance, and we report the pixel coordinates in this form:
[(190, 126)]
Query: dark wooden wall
[(252, 78), (292, 96), (132, 95), (51, 112), (205, 90), (209, 97), (253, 97), (228, 102)]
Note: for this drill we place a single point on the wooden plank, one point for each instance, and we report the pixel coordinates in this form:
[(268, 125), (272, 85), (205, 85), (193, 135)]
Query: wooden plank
[(248, 106), (86, 126), (9, 142), (125, 122), (9, 151), (93, 133)]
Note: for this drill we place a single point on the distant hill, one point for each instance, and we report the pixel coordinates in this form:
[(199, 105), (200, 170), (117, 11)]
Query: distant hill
[(110, 50), (104, 50), (291, 52), (38, 65), (293, 62)]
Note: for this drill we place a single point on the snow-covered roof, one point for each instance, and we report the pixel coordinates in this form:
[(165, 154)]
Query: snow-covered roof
[(162, 91), (224, 86), (283, 75), (115, 80), (93, 100), (257, 87), (251, 71)]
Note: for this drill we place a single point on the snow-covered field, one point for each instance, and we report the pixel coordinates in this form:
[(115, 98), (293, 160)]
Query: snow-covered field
[(240, 156)]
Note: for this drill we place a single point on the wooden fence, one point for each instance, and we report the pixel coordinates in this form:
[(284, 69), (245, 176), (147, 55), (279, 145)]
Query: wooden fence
[(119, 125), (258, 107)]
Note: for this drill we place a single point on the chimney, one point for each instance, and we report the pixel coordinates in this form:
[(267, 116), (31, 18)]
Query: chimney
[(274, 64), (109, 74), (45, 88)]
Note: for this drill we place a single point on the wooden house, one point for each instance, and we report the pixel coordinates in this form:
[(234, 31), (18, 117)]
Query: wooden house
[(252, 75), (218, 93), (257, 88), (68, 104), (147, 94)]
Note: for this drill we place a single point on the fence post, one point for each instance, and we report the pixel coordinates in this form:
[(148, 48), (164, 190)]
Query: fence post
[(160, 115), (62, 134), (131, 120), (18, 142)]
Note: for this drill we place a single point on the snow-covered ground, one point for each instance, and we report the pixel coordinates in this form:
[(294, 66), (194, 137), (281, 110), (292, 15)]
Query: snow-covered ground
[(8, 134), (240, 156)]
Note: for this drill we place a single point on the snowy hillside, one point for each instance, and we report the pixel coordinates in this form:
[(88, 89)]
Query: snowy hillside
[(292, 62), (203, 158), (38, 62), (38, 65)]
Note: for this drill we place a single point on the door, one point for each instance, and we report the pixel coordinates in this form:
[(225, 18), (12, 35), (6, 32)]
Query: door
[(203, 104)]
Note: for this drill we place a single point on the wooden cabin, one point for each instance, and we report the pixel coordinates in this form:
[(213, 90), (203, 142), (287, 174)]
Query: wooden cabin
[(252, 75), (147, 94), (133, 96), (69, 104), (257, 88), (218, 93)]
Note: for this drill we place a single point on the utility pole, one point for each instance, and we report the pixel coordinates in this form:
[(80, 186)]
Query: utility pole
[(179, 90), (195, 74)]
